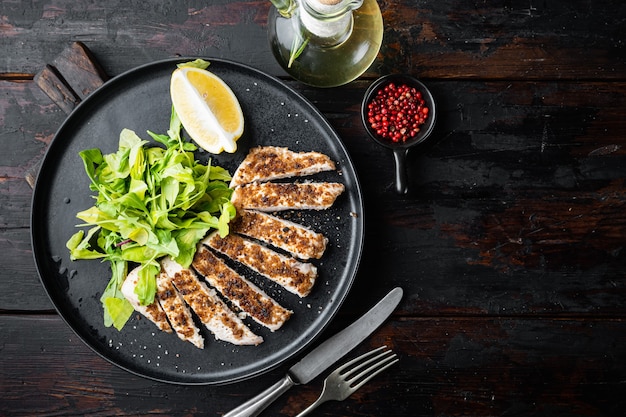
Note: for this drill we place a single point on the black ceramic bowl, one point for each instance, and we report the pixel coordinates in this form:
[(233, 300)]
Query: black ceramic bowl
[(400, 149)]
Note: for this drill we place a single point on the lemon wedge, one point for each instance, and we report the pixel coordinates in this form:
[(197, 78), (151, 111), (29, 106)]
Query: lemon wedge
[(207, 108)]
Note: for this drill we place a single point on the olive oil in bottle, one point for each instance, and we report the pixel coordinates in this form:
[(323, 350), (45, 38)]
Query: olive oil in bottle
[(325, 43)]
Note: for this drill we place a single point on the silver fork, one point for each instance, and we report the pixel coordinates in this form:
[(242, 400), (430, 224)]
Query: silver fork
[(343, 382)]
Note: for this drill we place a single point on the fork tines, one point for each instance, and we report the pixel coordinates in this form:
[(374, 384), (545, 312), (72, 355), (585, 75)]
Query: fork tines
[(349, 377), (385, 360)]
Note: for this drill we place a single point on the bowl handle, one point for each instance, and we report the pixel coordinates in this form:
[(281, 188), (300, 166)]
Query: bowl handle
[(399, 156)]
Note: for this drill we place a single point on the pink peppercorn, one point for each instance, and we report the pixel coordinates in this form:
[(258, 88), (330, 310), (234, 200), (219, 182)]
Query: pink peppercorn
[(396, 113)]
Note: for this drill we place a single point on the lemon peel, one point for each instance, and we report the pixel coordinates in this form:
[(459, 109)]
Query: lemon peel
[(208, 109)]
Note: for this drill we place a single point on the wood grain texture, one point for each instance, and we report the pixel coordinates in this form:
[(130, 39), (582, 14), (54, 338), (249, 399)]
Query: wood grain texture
[(542, 200), (509, 245), (452, 39), (74, 75), (491, 366), (55, 86)]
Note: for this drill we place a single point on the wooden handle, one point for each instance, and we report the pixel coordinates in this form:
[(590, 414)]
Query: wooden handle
[(69, 79)]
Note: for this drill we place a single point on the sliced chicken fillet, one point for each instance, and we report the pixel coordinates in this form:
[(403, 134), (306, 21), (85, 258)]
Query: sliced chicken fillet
[(294, 238), (267, 163), (210, 309), (177, 311), (152, 312), (295, 276), (241, 292), (270, 196)]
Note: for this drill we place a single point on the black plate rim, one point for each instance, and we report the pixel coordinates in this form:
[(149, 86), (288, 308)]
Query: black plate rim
[(357, 194)]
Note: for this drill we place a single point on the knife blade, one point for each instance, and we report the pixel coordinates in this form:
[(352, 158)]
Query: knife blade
[(320, 358)]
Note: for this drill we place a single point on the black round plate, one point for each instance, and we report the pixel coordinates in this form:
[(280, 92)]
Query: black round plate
[(139, 100)]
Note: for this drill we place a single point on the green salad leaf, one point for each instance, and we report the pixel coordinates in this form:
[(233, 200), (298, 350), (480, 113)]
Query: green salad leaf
[(196, 63), (151, 201)]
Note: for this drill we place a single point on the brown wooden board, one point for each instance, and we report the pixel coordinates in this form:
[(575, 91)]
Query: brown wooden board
[(509, 247), (491, 366), (542, 205), (496, 40), (74, 75)]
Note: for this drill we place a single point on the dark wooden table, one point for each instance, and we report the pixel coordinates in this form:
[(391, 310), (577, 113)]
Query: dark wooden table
[(509, 246)]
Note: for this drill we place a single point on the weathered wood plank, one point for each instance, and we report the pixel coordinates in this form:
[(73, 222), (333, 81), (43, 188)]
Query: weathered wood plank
[(54, 85), (20, 287), (539, 228), (490, 366), (497, 40), (500, 40), (80, 69), (123, 35), (24, 138), (509, 245), (74, 75), (541, 183)]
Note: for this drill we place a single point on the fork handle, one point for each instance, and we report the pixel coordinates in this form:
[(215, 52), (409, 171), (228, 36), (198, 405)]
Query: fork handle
[(255, 405)]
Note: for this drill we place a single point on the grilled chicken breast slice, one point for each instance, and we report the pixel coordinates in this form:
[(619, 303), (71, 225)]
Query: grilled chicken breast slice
[(241, 292), (294, 238), (266, 163), (269, 196), (177, 311), (295, 276), (210, 309), (152, 312)]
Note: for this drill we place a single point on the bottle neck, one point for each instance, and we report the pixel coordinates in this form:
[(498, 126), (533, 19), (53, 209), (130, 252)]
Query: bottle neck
[(330, 23)]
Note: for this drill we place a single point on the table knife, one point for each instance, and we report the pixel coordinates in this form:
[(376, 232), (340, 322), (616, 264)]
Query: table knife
[(322, 356)]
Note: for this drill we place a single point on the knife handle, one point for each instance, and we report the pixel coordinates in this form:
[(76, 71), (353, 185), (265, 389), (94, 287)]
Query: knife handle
[(255, 405)]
